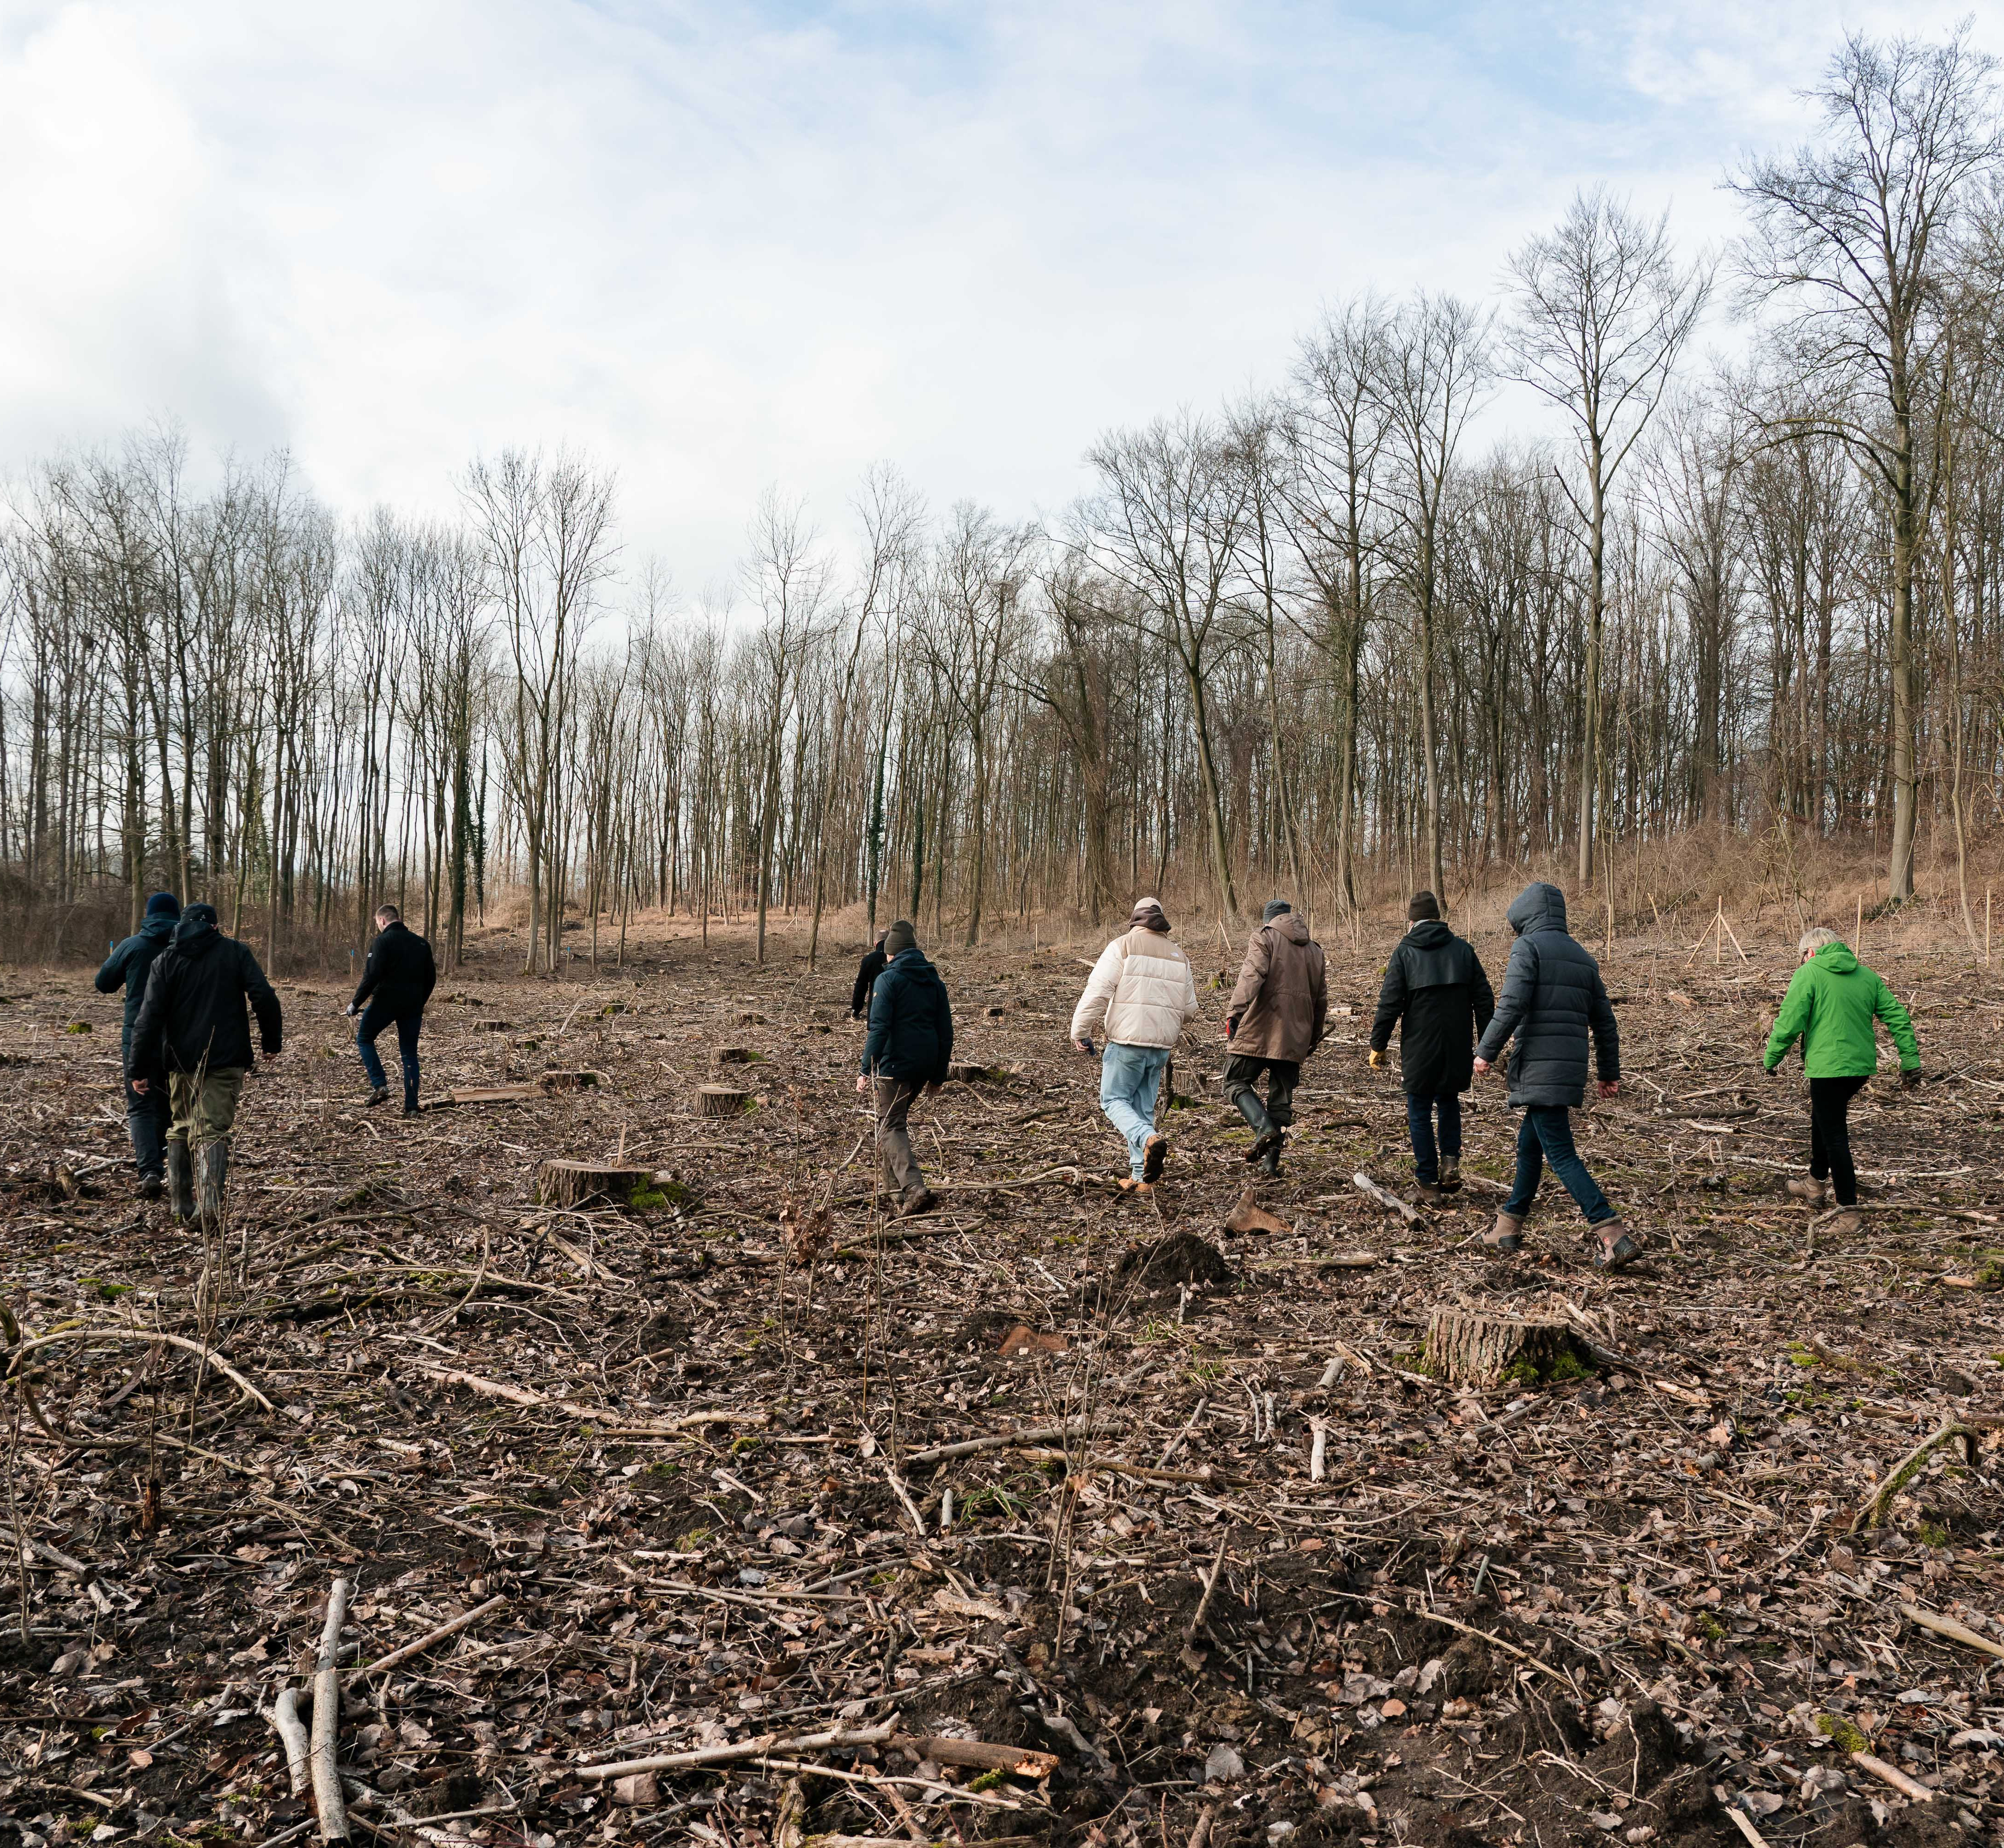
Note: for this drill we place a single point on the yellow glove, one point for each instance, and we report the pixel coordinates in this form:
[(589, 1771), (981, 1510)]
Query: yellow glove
[(1378, 1060)]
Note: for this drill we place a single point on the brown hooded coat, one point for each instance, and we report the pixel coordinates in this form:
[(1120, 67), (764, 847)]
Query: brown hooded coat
[(1280, 1001)]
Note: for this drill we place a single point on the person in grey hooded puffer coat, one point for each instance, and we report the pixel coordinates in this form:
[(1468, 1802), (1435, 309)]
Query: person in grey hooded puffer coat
[(1553, 1001)]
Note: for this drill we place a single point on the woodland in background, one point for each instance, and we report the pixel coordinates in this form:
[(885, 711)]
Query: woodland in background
[(1735, 615)]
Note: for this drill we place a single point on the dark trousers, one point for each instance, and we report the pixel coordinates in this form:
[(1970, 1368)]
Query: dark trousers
[(146, 1120), (1829, 1134), (894, 1097), (1545, 1135), (1282, 1075), (1420, 1110), (372, 1021)]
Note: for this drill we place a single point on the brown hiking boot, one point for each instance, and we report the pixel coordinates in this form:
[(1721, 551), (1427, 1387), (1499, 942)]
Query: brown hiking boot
[(1433, 1195), (1154, 1158), (919, 1200), (1616, 1248), (1141, 1189), (1450, 1176), (1842, 1223), (1507, 1234), (1815, 1192)]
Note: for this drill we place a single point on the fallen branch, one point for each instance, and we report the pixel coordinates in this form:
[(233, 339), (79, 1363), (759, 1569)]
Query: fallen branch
[(1906, 1786), (425, 1642), (1871, 1512), (1752, 1834), (596, 1414), (207, 1355), (324, 1743), (766, 1746), (1948, 1627), (286, 1721), (1390, 1201), (1037, 1434)]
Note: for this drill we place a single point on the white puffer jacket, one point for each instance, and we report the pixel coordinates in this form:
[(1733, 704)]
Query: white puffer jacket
[(1140, 993)]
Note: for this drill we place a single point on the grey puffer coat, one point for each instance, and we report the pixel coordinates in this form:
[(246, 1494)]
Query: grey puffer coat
[(1553, 1000)]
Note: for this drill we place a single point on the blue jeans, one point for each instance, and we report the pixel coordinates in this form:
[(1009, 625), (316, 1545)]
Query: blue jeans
[(1420, 1110), (1546, 1135), (373, 1022), (1129, 1077)]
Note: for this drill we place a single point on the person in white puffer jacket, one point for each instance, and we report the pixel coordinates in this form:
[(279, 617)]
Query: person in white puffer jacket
[(1140, 995)]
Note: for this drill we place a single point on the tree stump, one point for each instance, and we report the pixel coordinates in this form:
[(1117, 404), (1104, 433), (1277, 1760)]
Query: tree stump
[(734, 1055), (1470, 1347), (719, 1100), (560, 1183)]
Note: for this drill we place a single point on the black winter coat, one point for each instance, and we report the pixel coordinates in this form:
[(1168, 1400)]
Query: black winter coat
[(399, 974), (1552, 1000), (1435, 984), (867, 972), (192, 1017), (911, 1025), (129, 965)]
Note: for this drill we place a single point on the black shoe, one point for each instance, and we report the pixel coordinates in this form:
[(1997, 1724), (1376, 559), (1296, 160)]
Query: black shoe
[(153, 1187), (379, 1095), (410, 1100)]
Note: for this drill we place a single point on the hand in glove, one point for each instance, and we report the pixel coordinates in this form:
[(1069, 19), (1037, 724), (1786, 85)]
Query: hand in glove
[(1378, 1060)]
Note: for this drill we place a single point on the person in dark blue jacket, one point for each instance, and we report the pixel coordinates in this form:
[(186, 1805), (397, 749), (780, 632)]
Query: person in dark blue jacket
[(1553, 1001), (909, 1047), (398, 977), (867, 972), (127, 967)]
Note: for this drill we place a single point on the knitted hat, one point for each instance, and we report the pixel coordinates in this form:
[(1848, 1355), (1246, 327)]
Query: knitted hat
[(1148, 913), (1424, 906), (1275, 908), (163, 904), (900, 938)]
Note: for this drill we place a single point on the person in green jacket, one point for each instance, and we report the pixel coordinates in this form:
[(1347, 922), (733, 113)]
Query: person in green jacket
[(1832, 1003)]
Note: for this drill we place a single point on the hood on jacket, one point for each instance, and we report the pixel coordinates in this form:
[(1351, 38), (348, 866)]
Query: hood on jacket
[(1430, 933), (197, 932), (1289, 926), (1837, 958), (158, 928), (1538, 907), (912, 966)]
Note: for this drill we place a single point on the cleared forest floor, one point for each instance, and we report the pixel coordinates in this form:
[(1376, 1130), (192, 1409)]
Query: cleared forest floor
[(1594, 1610)]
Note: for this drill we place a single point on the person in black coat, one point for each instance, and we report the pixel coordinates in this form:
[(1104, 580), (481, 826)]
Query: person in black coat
[(908, 1049), (397, 978), (867, 972), (192, 1036), (1436, 992), (1553, 1001), (127, 967)]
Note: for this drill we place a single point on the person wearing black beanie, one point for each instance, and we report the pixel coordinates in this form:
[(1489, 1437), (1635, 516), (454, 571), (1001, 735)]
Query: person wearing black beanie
[(127, 967)]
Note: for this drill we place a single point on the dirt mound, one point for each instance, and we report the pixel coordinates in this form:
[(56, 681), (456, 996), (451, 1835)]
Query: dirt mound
[(1173, 1259)]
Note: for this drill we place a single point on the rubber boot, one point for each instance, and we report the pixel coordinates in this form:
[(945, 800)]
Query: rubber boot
[(1270, 1162), (180, 1184), (1265, 1133), (212, 1171)]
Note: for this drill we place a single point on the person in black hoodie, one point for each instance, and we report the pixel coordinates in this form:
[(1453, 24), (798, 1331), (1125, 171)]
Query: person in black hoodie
[(909, 1047), (867, 972), (1435, 985), (191, 1036), (127, 967), (397, 980)]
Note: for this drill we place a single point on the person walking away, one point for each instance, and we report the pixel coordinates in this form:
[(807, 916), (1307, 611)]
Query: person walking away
[(1437, 992), (908, 1050), (867, 972), (1833, 1005), (193, 1037), (127, 967), (1553, 1001), (1140, 995), (1278, 1014), (398, 977)]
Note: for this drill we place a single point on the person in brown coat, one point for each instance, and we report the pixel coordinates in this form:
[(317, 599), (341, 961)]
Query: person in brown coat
[(1277, 1016)]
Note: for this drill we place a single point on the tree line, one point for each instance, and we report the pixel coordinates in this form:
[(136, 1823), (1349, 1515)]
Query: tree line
[(1342, 632)]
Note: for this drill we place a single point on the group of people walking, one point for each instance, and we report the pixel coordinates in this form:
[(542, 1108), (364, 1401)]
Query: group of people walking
[(191, 994), (1552, 1028)]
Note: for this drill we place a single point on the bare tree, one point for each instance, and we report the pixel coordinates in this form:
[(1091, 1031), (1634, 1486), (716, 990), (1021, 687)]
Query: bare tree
[(1853, 237), (1603, 310)]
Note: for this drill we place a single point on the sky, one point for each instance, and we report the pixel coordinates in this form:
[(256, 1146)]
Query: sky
[(721, 247)]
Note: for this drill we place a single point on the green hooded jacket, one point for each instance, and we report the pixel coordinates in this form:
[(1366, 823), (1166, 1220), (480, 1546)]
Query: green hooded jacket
[(1830, 1005)]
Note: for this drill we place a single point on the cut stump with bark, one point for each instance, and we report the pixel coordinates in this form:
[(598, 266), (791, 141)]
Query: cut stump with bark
[(720, 1100), (561, 1183), (735, 1055), (1470, 1347)]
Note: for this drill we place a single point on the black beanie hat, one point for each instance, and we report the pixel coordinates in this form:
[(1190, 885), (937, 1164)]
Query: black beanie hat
[(900, 938), (1424, 905)]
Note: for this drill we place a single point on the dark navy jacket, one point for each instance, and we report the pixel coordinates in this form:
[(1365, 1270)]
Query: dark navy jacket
[(1553, 1000), (1435, 984), (911, 1026), (130, 964)]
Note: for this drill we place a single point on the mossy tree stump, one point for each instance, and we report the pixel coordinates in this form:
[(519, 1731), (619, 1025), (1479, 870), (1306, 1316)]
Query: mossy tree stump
[(1472, 1348), (720, 1100), (560, 1183)]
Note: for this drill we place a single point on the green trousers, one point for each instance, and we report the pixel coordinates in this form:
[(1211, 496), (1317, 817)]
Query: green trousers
[(203, 1106)]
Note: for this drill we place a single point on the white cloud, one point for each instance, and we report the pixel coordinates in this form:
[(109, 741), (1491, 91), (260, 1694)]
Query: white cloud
[(721, 246)]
